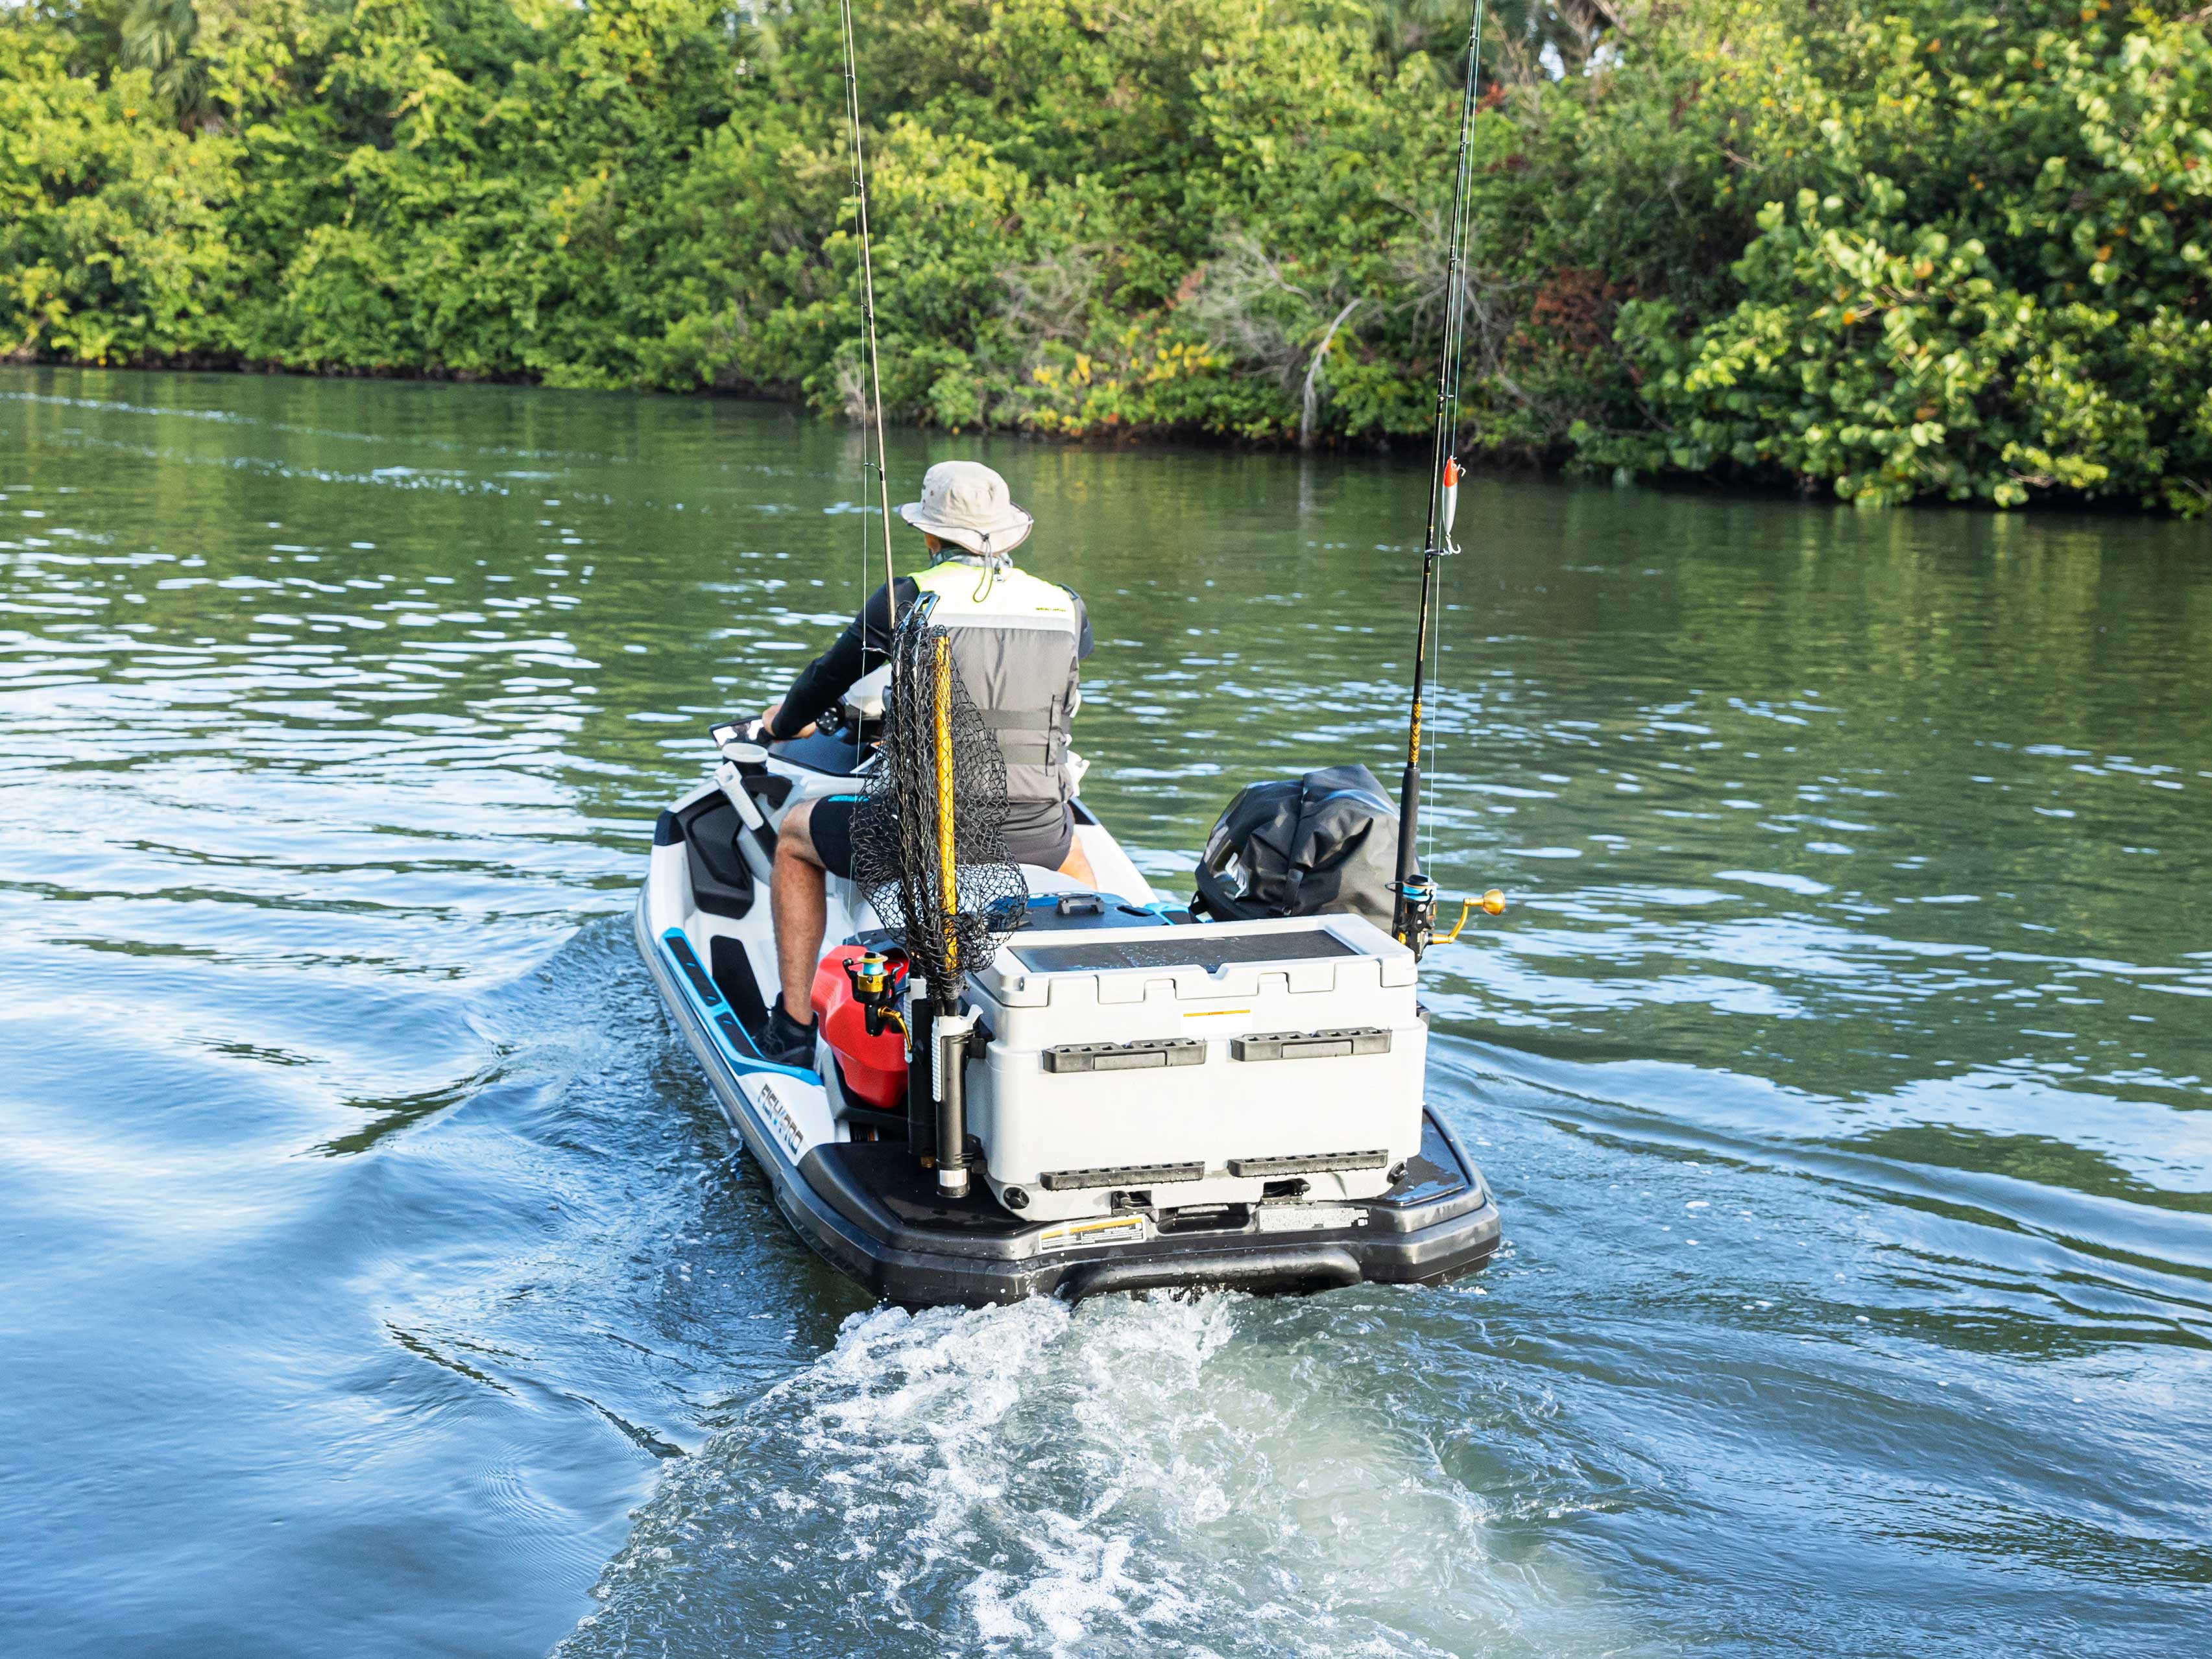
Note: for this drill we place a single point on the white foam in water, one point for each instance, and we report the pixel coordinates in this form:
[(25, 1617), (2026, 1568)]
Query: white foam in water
[(1133, 1477)]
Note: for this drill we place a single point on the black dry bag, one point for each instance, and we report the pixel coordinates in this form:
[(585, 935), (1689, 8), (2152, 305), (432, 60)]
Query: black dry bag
[(1326, 842)]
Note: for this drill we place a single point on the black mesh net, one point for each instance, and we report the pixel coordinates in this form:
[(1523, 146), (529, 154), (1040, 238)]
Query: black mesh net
[(951, 923)]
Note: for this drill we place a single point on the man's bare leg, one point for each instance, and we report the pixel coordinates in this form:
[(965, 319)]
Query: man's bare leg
[(1077, 864), (801, 910)]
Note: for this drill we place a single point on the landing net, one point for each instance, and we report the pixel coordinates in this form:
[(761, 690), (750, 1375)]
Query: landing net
[(929, 839)]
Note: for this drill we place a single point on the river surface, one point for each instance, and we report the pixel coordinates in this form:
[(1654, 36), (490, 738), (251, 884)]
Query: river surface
[(381, 1279)]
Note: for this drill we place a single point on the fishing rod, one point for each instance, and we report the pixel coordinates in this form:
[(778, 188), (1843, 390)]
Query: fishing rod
[(1415, 914), (868, 311), (928, 841)]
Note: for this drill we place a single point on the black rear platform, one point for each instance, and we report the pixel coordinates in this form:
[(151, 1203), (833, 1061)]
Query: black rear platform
[(888, 1228)]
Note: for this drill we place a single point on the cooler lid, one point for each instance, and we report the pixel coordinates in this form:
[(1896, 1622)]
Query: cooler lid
[(1199, 947)]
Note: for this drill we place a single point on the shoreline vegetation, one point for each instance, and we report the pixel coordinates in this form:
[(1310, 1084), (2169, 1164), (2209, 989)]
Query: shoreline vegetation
[(1876, 250)]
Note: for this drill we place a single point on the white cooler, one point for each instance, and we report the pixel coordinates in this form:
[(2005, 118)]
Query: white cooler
[(1157, 1067)]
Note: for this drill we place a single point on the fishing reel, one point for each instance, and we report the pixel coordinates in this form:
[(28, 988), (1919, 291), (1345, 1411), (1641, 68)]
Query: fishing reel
[(1417, 913), (877, 979)]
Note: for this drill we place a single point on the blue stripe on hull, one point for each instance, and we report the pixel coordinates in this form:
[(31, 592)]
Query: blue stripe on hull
[(699, 986)]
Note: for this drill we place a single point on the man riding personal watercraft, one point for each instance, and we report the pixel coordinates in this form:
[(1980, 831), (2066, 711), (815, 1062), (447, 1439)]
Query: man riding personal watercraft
[(1017, 641)]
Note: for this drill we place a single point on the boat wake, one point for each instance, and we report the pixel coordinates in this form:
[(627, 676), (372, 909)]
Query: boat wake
[(1162, 1476)]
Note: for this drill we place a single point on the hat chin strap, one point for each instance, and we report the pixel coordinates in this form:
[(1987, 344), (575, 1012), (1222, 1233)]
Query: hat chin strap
[(995, 560), (992, 563)]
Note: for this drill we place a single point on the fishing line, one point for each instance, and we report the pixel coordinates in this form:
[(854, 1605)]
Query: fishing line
[(1414, 913), (1457, 324), (1436, 739), (868, 311), (1445, 436)]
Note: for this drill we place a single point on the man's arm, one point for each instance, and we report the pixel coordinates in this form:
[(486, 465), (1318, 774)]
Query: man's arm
[(865, 642)]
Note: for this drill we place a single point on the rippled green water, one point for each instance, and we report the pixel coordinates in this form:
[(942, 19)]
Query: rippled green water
[(373, 1251)]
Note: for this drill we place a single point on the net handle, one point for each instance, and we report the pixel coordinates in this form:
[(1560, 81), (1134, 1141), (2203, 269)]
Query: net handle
[(948, 874)]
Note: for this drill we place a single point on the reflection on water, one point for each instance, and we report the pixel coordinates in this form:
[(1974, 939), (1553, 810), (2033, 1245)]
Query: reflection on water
[(375, 1250)]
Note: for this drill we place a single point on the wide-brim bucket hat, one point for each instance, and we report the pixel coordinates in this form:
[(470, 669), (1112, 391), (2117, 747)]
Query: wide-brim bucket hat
[(968, 504)]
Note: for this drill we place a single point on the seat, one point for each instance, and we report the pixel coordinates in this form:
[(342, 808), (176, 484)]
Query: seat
[(832, 756)]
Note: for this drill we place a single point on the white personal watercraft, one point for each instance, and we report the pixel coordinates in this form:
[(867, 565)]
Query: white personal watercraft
[(1029, 1085), (1150, 1099)]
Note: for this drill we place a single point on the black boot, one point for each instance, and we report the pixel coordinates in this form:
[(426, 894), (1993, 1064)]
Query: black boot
[(785, 1041)]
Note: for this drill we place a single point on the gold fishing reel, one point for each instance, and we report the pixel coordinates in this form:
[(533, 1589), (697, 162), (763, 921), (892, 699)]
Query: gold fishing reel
[(1492, 903), (1416, 913)]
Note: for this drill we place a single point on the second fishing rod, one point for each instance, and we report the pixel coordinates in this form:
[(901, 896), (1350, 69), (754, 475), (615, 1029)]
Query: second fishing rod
[(1414, 922)]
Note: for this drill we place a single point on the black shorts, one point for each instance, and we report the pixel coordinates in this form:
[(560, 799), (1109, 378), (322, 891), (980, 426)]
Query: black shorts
[(830, 830)]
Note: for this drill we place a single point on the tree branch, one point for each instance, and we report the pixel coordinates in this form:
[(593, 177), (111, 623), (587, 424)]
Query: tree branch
[(1313, 374)]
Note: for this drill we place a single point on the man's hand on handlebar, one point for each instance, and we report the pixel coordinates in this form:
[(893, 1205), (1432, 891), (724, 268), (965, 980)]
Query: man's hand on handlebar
[(767, 724)]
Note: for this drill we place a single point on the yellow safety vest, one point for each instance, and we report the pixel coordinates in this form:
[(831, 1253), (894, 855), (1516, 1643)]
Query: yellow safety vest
[(1015, 641)]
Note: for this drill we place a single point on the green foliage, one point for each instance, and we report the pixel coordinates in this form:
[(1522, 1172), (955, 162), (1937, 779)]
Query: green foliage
[(1990, 279), (113, 244), (157, 36), (1893, 249)]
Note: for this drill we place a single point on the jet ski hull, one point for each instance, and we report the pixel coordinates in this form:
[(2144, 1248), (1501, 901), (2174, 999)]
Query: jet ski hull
[(869, 1210)]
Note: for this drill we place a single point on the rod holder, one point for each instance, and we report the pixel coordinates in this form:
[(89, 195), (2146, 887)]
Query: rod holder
[(920, 1073), (950, 1040)]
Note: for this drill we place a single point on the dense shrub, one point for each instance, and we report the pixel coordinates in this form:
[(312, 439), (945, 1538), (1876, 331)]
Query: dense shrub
[(1891, 250), (113, 239), (1980, 271)]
